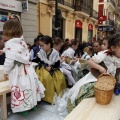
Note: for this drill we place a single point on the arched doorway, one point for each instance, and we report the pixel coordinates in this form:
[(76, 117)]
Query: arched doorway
[(60, 30)]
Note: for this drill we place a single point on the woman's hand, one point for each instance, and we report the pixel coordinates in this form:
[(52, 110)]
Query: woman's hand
[(1, 52), (6, 76), (102, 70), (62, 59), (73, 61), (48, 68)]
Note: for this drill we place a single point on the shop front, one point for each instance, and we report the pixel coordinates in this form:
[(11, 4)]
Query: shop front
[(78, 30), (105, 31), (27, 12), (7, 9)]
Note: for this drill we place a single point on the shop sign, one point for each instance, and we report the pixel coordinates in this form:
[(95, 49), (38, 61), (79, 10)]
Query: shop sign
[(102, 18), (90, 27), (78, 24), (11, 5), (25, 6), (105, 28)]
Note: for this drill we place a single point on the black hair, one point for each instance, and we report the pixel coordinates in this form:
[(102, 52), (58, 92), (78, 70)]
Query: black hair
[(114, 40), (39, 36), (47, 39)]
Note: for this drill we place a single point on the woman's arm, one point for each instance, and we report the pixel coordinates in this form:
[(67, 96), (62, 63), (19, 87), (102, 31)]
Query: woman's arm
[(94, 65)]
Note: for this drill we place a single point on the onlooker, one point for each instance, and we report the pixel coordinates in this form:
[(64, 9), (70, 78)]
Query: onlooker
[(97, 47), (2, 57), (36, 49)]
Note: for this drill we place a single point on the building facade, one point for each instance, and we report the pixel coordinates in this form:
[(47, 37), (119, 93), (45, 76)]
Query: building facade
[(28, 18), (79, 18), (108, 17)]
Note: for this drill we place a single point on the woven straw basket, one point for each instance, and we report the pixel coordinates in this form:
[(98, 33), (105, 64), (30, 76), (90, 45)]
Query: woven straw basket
[(83, 63), (104, 88)]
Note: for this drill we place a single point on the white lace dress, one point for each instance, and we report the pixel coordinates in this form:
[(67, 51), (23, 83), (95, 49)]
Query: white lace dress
[(25, 87)]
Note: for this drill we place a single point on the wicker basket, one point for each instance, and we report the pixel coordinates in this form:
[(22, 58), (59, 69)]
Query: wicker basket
[(104, 88), (67, 59), (83, 63)]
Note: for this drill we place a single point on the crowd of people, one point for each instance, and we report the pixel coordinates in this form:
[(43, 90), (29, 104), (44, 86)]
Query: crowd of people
[(59, 66)]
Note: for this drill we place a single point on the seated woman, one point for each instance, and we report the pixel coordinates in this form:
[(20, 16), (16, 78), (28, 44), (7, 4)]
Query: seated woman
[(48, 69)]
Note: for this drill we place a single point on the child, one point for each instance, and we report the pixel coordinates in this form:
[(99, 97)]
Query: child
[(71, 60), (25, 87), (48, 69), (57, 45), (88, 51), (104, 45), (105, 62)]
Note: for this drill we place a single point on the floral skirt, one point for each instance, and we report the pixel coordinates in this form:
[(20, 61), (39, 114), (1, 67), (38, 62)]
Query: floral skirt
[(25, 87), (53, 83), (86, 91)]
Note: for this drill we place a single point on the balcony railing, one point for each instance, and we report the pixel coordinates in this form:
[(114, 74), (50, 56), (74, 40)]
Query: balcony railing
[(82, 8), (93, 14), (64, 3), (110, 22), (118, 3), (112, 1)]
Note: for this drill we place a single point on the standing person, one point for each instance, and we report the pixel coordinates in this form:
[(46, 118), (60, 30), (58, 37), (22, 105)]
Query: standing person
[(25, 87), (2, 56), (107, 61), (97, 47), (66, 69), (36, 49), (48, 69)]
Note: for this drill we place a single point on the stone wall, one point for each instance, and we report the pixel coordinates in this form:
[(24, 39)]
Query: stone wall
[(29, 21)]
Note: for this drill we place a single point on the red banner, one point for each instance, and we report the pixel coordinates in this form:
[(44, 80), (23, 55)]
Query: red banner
[(90, 27), (78, 24)]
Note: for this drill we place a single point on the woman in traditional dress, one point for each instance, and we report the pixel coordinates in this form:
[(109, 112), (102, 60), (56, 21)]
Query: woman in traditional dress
[(48, 69)]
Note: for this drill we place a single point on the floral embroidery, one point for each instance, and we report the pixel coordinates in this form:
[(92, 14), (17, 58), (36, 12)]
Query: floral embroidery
[(20, 97), (8, 48), (20, 52), (21, 43), (17, 96), (38, 90)]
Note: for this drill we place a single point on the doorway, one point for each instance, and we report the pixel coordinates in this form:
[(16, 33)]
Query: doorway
[(78, 34)]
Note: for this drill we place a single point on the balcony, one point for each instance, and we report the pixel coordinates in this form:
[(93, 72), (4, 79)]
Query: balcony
[(118, 4), (112, 3), (110, 22), (94, 14), (62, 4), (82, 8)]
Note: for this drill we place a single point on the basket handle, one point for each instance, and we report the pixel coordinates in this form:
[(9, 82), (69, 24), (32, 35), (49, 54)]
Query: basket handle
[(106, 74)]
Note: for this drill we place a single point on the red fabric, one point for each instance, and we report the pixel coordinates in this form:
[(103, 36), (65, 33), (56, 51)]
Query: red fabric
[(100, 10), (101, 1)]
